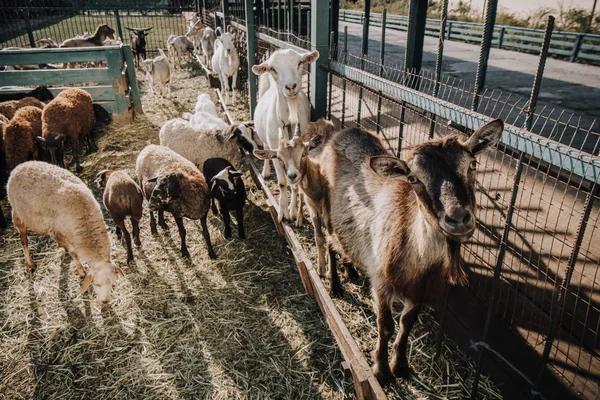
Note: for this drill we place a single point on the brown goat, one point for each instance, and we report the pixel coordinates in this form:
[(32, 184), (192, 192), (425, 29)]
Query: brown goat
[(9, 108), (69, 117), (403, 222), (102, 32), (20, 136), (122, 198)]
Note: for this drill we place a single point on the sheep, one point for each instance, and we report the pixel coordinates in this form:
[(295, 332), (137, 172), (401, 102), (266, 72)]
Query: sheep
[(171, 183), (178, 48), (226, 62), (228, 190), (3, 121), (281, 103), (20, 135), (122, 198), (138, 43), (159, 73), (52, 201), (9, 108), (208, 44), (207, 121), (198, 145), (97, 39), (204, 103), (69, 117), (41, 93), (403, 222)]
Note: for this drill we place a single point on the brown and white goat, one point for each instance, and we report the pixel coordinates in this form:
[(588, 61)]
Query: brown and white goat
[(403, 222)]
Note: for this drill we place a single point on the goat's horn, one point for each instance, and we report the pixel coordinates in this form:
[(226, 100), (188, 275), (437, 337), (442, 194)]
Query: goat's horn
[(297, 130)]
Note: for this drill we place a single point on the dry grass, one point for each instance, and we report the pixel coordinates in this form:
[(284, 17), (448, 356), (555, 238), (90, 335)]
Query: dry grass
[(238, 327)]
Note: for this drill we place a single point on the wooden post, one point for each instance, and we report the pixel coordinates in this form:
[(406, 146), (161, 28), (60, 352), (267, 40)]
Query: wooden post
[(119, 29), (251, 54), (113, 60), (135, 94), (318, 76)]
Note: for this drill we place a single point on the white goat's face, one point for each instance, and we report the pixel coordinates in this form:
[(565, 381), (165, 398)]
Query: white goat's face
[(285, 66), (227, 42)]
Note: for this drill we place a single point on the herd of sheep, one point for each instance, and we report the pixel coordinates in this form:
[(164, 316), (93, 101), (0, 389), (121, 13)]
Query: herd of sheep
[(402, 221)]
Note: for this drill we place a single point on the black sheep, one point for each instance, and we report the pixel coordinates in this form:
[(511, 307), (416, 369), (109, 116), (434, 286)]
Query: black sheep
[(227, 188)]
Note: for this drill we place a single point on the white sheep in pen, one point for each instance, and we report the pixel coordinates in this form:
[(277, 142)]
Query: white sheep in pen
[(282, 103), (226, 62), (50, 200)]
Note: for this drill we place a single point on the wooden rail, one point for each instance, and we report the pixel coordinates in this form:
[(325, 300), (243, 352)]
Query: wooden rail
[(365, 384)]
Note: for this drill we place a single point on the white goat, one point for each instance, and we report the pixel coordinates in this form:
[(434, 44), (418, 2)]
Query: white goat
[(194, 33), (226, 62), (159, 73), (178, 47), (282, 103), (208, 45)]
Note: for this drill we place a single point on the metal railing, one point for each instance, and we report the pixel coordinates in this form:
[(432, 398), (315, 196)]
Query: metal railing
[(574, 46)]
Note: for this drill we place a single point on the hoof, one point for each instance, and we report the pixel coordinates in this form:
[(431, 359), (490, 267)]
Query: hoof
[(227, 234), (242, 235), (30, 266), (185, 253), (335, 291), (129, 259), (79, 169), (164, 226), (383, 375), (154, 232), (400, 369), (212, 255), (138, 243), (80, 272), (350, 272)]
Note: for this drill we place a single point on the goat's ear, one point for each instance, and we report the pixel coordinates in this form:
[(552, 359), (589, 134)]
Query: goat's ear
[(218, 31), (260, 68), (61, 137), (265, 154), (87, 282), (309, 58), (40, 139), (389, 166), (485, 137), (231, 29)]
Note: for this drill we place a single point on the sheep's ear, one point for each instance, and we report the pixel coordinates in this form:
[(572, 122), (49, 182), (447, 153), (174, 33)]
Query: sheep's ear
[(485, 137), (390, 167), (40, 139), (314, 142), (260, 68), (87, 282), (309, 58), (264, 154), (236, 174)]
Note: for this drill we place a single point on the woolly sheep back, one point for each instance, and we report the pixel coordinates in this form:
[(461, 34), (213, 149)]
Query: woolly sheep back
[(20, 136), (70, 113), (9, 108)]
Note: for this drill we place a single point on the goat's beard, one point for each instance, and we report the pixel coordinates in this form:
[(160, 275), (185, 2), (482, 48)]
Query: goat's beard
[(456, 273), (293, 107)]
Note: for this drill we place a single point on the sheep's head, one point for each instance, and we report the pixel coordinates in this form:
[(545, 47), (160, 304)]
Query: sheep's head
[(285, 67), (245, 136), (103, 278), (55, 147), (166, 190), (225, 180), (227, 39), (102, 178)]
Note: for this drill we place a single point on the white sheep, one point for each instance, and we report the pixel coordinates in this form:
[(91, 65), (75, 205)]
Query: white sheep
[(281, 104), (159, 73), (50, 200), (204, 103), (198, 145), (226, 62), (207, 121)]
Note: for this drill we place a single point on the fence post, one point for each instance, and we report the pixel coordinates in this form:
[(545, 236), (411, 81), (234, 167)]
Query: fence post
[(28, 26), (576, 47), (334, 25), (332, 55), (501, 37), (251, 53), (415, 38), (438, 67), (225, 9), (449, 32), (119, 28), (135, 94), (319, 38), (366, 22), (382, 47), (345, 60), (537, 81), (484, 53)]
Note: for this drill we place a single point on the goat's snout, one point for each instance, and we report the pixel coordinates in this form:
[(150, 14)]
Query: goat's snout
[(293, 176), (459, 222), (291, 87)]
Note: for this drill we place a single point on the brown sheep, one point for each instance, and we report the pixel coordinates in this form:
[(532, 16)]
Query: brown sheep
[(69, 117), (9, 108), (122, 198), (20, 136)]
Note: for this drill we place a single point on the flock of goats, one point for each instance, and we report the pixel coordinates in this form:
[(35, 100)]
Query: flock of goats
[(400, 221)]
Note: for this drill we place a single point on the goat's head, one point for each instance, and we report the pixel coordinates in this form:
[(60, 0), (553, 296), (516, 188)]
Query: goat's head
[(55, 147), (244, 134), (292, 153), (103, 277), (104, 31), (139, 36), (102, 178), (225, 180), (227, 39), (285, 67), (195, 29), (442, 174), (148, 65), (167, 189)]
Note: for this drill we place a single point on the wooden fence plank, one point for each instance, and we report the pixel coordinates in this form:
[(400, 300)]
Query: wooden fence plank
[(53, 56), (98, 93), (114, 60), (54, 76)]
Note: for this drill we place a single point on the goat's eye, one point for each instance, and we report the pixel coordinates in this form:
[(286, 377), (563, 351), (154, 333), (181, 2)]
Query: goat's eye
[(272, 70), (412, 179), (473, 165)]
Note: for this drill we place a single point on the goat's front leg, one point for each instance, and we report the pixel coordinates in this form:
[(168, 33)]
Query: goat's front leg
[(283, 196), (408, 318), (294, 203), (224, 87), (385, 330), (266, 172), (319, 241), (182, 234), (234, 86)]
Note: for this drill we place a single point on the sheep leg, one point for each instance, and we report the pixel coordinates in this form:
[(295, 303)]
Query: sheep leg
[(226, 221), (213, 207), (127, 240), (335, 288), (153, 229), (283, 196), (23, 235), (240, 220), (161, 219), (385, 330), (206, 234), (119, 235), (182, 234), (320, 242), (399, 364), (75, 147), (136, 232)]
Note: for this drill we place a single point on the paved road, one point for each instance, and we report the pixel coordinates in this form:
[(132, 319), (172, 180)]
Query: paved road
[(569, 86)]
